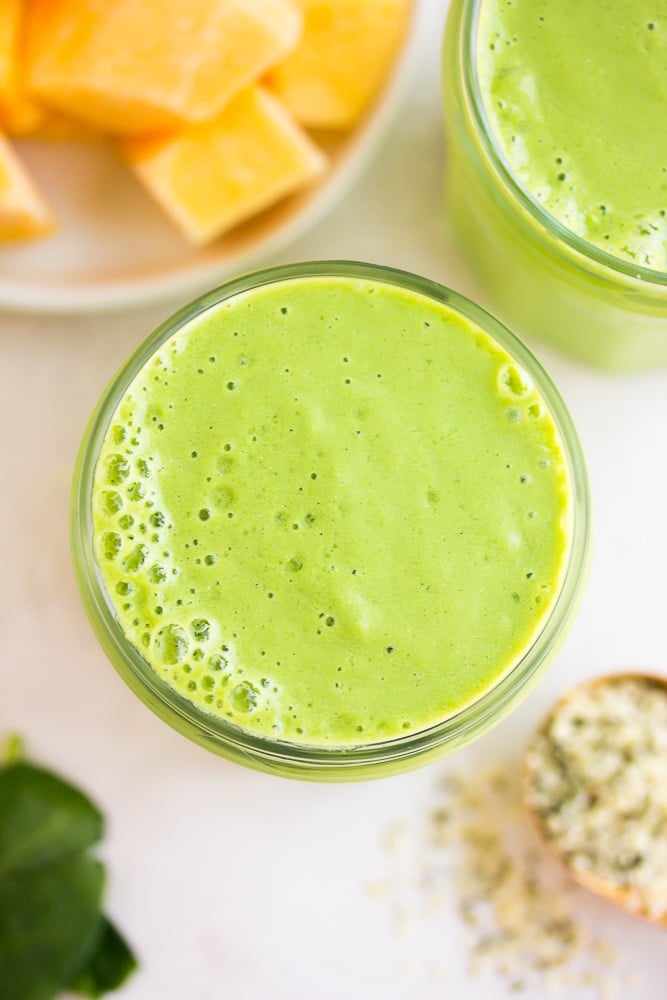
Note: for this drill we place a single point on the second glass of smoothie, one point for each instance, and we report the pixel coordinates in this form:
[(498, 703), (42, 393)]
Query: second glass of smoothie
[(557, 169), (330, 520)]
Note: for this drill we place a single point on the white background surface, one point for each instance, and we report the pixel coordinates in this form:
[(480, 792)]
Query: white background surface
[(234, 884)]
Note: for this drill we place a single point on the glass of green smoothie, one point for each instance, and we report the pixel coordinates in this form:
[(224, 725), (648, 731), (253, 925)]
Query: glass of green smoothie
[(330, 520), (557, 169)]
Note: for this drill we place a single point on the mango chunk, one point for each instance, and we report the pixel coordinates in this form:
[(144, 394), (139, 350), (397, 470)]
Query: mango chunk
[(211, 177), (10, 13), (18, 113), (23, 213), (344, 55), (141, 66)]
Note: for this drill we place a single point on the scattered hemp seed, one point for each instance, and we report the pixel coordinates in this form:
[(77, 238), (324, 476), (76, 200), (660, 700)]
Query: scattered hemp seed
[(523, 924), (596, 780)]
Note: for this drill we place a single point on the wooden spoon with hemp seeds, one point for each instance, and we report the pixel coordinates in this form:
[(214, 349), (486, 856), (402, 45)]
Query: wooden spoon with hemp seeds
[(595, 783)]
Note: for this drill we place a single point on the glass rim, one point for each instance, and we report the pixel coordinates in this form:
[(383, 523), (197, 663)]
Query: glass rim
[(218, 732), (547, 223)]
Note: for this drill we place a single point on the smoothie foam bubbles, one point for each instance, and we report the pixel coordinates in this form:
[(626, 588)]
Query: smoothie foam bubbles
[(133, 546)]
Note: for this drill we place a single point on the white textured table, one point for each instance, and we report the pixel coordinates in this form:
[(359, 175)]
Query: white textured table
[(233, 884)]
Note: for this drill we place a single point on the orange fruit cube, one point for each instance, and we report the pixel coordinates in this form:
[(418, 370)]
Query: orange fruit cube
[(211, 177), (23, 213), (18, 113), (344, 56), (140, 66)]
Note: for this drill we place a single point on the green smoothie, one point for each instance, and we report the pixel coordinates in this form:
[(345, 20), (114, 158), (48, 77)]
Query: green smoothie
[(331, 511), (576, 94)]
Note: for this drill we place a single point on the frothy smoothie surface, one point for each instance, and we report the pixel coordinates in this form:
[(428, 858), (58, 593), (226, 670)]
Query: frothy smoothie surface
[(331, 511), (576, 94)]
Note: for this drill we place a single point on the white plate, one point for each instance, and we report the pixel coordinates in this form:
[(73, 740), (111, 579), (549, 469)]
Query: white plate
[(115, 248)]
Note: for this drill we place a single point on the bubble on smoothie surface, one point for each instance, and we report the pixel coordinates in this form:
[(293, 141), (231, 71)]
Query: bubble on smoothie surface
[(244, 697), (171, 644), (200, 628), (136, 491), (157, 573), (117, 469), (111, 544), (135, 558), (514, 381), (112, 502)]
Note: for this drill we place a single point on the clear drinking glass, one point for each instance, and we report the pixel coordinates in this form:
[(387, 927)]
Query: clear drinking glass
[(539, 277), (325, 763)]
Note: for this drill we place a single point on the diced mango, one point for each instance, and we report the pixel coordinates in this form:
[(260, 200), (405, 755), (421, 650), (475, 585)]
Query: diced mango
[(10, 12), (23, 213), (211, 177), (18, 113), (20, 116), (141, 66), (344, 55)]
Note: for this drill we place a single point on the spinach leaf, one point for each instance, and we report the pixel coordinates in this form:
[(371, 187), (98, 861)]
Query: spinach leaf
[(52, 932), (108, 967), (43, 819), (49, 925)]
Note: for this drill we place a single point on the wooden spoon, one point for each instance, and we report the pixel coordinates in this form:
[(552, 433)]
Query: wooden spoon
[(631, 901)]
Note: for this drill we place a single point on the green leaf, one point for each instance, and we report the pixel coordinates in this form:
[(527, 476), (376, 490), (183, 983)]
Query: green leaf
[(52, 932), (14, 749), (49, 926), (108, 967), (43, 820)]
